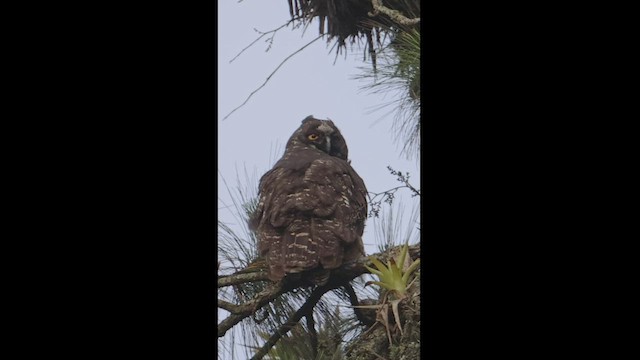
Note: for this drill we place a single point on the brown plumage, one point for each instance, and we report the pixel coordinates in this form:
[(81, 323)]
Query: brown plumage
[(312, 205)]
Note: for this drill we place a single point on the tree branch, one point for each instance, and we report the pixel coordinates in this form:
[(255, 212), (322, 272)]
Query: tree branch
[(236, 278), (232, 308), (395, 15), (242, 311), (339, 277)]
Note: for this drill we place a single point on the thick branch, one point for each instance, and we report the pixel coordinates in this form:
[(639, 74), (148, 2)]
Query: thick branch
[(232, 308), (236, 279), (250, 307), (395, 15), (350, 269)]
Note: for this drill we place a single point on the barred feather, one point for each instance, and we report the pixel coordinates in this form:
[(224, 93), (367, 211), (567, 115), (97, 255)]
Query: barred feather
[(312, 207)]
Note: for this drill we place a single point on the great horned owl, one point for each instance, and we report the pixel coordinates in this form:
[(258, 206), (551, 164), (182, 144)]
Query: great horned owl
[(312, 205)]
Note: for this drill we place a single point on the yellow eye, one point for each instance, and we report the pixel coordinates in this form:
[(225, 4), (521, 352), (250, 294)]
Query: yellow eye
[(312, 137)]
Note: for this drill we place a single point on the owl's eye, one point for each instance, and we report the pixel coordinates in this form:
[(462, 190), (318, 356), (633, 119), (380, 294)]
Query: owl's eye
[(312, 137)]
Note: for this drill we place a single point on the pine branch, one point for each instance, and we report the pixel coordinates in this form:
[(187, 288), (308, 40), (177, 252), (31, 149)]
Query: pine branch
[(245, 310), (237, 278), (339, 277)]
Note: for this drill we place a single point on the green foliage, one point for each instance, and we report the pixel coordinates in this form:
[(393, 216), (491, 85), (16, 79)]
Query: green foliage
[(407, 48), (398, 74), (394, 277)]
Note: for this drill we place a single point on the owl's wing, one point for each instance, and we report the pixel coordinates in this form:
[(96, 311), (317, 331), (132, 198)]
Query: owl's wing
[(274, 185), (337, 198), (339, 194), (271, 194)]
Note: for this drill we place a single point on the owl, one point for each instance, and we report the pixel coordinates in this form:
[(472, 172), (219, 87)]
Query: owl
[(312, 206)]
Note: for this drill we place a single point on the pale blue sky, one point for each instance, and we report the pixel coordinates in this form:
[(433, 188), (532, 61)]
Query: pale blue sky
[(307, 84)]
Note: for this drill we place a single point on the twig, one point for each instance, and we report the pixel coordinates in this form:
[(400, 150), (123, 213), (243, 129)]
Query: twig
[(261, 36), (389, 195), (269, 77), (404, 178), (393, 190)]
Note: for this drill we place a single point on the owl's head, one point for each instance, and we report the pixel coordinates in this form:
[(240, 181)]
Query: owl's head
[(322, 135)]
